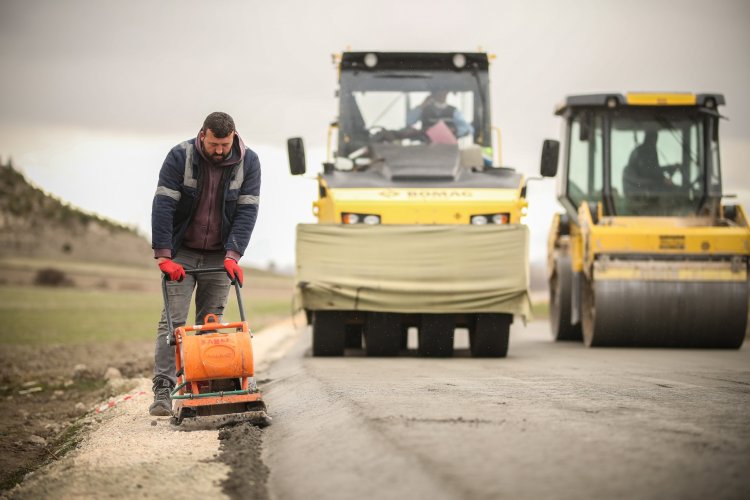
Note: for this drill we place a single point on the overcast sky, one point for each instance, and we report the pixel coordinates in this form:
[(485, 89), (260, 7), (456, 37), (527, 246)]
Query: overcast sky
[(94, 93)]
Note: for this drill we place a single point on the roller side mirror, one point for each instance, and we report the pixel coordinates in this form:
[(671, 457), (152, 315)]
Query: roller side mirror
[(296, 151), (550, 154)]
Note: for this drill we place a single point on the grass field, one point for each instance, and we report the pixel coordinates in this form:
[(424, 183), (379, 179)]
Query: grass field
[(540, 310), (38, 315)]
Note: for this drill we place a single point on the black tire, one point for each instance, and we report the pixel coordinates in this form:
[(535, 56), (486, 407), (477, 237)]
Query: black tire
[(489, 336), (560, 293), (328, 332), (353, 337), (382, 334), (436, 335)]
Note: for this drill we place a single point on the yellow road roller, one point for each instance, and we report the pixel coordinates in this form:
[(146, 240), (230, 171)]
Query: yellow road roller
[(419, 224), (649, 251)]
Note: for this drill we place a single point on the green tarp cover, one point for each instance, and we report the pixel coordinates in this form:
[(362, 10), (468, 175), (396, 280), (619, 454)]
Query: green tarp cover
[(413, 269)]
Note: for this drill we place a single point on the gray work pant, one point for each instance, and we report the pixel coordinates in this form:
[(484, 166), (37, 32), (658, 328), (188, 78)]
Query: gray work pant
[(210, 297)]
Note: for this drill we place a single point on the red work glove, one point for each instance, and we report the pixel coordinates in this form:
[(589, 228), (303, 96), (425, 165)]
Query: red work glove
[(234, 271), (172, 270)]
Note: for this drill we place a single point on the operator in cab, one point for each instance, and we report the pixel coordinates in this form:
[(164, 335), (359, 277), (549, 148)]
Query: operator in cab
[(643, 173), (433, 110)]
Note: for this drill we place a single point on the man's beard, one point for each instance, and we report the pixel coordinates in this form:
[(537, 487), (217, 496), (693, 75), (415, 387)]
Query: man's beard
[(216, 159)]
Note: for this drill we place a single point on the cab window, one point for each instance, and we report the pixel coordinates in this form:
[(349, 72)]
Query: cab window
[(584, 181), (657, 163)]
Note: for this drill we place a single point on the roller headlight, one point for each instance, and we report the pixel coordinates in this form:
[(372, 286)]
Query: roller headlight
[(351, 218), (482, 219), (459, 60), (371, 60)]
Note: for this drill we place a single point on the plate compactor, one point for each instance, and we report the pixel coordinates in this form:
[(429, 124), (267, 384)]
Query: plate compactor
[(214, 366)]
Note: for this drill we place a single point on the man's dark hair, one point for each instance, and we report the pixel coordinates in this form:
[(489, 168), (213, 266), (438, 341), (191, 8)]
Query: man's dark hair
[(221, 124)]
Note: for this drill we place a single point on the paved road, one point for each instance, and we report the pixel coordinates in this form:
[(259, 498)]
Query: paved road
[(550, 421)]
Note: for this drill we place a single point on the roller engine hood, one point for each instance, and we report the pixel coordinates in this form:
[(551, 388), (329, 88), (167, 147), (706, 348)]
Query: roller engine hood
[(427, 166), (421, 162)]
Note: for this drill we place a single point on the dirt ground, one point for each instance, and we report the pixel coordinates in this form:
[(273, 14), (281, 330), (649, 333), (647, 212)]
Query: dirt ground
[(241, 451), (50, 421), (552, 420), (44, 396)]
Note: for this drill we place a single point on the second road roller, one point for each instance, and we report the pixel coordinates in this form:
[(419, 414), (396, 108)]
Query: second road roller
[(650, 250)]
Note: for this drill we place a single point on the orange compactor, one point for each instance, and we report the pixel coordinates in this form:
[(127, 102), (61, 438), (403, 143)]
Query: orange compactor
[(214, 365)]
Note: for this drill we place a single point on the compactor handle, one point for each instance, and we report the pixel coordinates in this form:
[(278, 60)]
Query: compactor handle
[(208, 270)]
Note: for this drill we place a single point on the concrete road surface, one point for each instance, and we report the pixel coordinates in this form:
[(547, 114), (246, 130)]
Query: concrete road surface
[(553, 420)]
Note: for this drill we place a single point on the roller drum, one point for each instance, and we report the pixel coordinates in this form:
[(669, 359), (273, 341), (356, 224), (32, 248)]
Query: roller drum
[(660, 313)]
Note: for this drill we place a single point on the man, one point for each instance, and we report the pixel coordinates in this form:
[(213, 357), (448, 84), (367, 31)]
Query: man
[(434, 109), (647, 184), (203, 214), (643, 172)]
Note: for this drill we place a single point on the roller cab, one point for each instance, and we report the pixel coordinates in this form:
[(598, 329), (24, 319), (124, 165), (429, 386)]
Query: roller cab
[(648, 252)]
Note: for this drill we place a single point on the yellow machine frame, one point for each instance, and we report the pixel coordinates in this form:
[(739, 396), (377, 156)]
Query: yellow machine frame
[(419, 205)]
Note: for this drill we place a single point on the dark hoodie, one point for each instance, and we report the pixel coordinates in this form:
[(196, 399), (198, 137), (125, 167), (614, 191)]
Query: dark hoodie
[(204, 231)]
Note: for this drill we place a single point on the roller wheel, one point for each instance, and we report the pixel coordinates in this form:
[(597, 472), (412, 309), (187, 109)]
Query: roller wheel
[(382, 334), (560, 293), (353, 337), (436, 335), (664, 314), (329, 333), (489, 336)]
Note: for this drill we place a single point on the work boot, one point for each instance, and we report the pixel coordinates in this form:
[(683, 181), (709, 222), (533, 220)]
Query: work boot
[(162, 405)]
